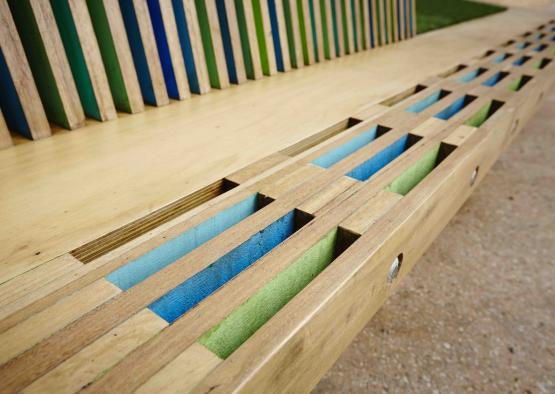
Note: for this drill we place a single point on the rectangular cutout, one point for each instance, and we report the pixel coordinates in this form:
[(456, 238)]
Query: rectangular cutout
[(102, 245), (489, 52), (542, 63), (540, 48), (390, 102), (502, 57), (495, 78), (182, 298), (523, 45), (428, 101), (518, 83), (453, 109), (452, 71), (158, 258), (225, 337), (484, 113), (539, 36), (348, 148), (510, 42), (405, 182), (364, 171), (313, 140), (521, 60), (472, 75)]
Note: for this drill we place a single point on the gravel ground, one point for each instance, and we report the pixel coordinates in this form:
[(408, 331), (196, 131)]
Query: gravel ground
[(477, 313)]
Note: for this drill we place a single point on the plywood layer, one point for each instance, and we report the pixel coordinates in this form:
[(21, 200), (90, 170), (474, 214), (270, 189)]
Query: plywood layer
[(309, 242)]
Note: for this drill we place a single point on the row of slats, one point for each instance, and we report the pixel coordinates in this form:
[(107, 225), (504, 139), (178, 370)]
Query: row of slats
[(64, 60)]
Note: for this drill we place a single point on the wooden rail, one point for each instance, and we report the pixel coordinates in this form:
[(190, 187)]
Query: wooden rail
[(260, 281), (62, 61)]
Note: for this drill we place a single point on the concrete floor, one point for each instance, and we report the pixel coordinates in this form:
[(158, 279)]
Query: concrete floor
[(477, 313)]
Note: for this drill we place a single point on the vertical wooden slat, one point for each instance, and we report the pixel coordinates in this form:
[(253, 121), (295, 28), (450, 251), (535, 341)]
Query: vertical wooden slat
[(116, 55), (413, 18), (264, 37), (360, 42), (374, 21), (350, 26), (306, 31), (366, 27), (402, 34), (383, 24), (282, 32), (75, 26), (294, 35), (234, 40), (319, 30), (5, 138), (45, 52), (20, 98), (395, 20), (252, 40), (339, 27), (326, 8)]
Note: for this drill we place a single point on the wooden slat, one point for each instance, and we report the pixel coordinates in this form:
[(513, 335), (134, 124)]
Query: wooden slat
[(348, 16), (366, 27), (318, 25), (339, 27), (264, 36), (295, 33), (327, 8), (251, 41), (43, 45), (5, 138), (358, 26), (114, 48), (282, 32), (306, 31), (235, 41)]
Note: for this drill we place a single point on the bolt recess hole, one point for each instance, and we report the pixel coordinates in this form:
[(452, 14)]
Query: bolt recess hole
[(474, 176), (395, 268)]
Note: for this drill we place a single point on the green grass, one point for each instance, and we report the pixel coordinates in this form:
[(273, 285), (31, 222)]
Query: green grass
[(436, 14)]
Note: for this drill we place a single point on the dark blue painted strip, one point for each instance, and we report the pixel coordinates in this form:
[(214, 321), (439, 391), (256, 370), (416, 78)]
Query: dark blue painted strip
[(451, 110), (188, 294), (137, 50), (149, 263), (493, 80), (371, 166), (337, 154), (9, 102), (275, 34), (163, 48), (425, 103), (226, 40), (371, 27), (185, 42)]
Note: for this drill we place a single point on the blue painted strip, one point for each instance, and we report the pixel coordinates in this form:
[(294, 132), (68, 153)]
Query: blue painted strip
[(470, 76), (371, 166), (9, 102), (148, 264), (163, 48), (337, 154), (137, 50), (275, 34), (185, 41), (451, 110), (493, 80), (424, 103), (500, 58), (188, 294), (371, 19), (226, 39), (520, 61)]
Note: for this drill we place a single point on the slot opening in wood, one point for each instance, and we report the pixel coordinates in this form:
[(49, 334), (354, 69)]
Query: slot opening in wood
[(523, 35), (523, 45), (416, 173), (366, 170), (502, 57), (182, 298), (542, 63), (540, 48), (495, 78), (487, 53), (356, 143), (228, 335), (484, 113), (519, 82), (114, 239), (521, 60), (391, 101), (315, 139), (452, 70), (508, 43), (455, 107), (539, 36), (472, 75), (428, 101)]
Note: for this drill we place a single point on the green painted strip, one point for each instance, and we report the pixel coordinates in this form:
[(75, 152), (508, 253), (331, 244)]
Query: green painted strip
[(315, 42), (378, 23), (418, 171), (323, 16), (109, 55), (355, 32), (335, 28), (260, 36), (290, 33), (75, 56), (515, 85), (38, 60), (364, 29), (244, 34), (224, 338), (345, 27), (479, 117), (303, 30), (207, 44)]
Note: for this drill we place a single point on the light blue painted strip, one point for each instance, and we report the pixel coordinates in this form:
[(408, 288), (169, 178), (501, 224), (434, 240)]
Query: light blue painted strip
[(425, 103), (337, 154), (493, 80), (149, 263), (371, 166), (470, 76), (188, 294), (500, 58), (451, 110)]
